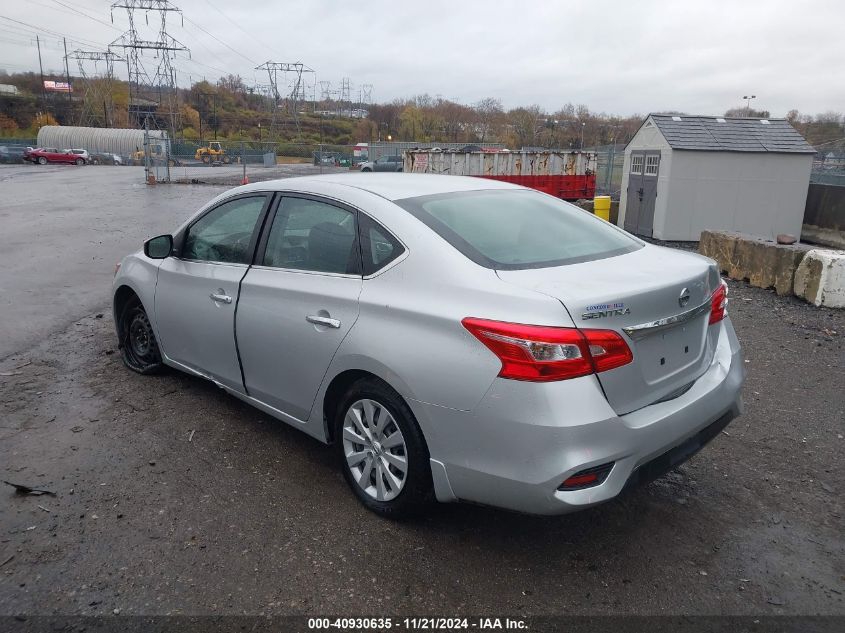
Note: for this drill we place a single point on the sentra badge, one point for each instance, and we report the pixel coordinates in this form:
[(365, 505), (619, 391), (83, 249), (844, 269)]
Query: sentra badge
[(602, 310)]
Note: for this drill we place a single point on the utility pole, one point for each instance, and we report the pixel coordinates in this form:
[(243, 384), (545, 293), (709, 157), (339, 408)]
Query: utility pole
[(41, 69), (67, 79)]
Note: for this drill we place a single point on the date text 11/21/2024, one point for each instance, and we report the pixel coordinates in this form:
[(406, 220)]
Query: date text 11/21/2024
[(416, 624)]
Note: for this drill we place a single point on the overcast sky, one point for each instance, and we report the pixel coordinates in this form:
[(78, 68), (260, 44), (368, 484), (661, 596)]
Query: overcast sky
[(617, 57)]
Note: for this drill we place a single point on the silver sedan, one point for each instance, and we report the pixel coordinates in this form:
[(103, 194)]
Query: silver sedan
[(454, 338)]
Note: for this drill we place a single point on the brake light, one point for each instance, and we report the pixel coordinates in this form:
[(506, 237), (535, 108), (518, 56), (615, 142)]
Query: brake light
[(543, 354), (719, 303)]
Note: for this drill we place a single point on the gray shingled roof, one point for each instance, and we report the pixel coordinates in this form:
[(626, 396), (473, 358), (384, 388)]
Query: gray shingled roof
[(723, 134)]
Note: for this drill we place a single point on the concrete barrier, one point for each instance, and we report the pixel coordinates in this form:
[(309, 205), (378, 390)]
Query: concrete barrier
[(820, 278), (762, 263)]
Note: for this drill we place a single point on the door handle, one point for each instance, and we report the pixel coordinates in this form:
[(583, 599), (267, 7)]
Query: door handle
[(321, 320), (219, 296)]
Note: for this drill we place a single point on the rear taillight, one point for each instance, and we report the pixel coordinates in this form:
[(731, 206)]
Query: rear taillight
[(719, 303), (543, 354)]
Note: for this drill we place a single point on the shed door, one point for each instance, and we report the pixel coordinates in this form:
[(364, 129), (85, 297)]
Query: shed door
[(642, 192)]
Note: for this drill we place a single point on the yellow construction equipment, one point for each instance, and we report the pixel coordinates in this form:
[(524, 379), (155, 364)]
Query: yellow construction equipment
[(158, 154), (213, 153)]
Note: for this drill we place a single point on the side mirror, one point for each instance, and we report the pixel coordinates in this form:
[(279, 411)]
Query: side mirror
[(158, 247)]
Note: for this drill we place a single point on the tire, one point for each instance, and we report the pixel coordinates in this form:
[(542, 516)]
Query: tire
[(138, 344), (206, 159), (227, 160), (413, 493), (366, 169), (42, 160), (80, 162), (95, 161)]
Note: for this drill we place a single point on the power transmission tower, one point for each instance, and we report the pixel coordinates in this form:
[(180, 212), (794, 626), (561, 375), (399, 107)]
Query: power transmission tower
[(152, 87), (366, 94), (345, 96), (325, 90), (296, 85), (98, 103)]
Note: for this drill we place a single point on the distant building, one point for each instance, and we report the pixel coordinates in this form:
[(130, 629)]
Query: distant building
[(9, 90), (686, 174)]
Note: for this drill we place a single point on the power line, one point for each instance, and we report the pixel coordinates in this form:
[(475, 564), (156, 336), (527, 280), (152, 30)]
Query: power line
[(37, 29), (235, 22), (82, 13), (251, 61)]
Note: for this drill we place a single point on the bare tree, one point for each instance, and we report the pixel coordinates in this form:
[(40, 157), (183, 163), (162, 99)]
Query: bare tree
[(488, 118)]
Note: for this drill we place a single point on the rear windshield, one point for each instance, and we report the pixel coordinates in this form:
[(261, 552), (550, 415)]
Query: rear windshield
[(517, 229)]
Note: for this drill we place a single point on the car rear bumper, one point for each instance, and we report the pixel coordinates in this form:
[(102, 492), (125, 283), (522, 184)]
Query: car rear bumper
[(524, 439)]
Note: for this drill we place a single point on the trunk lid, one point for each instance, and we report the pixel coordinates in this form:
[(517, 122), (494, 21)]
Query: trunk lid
[(639, 295)]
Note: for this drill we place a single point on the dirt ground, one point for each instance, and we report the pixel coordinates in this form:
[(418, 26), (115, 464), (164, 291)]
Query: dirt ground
[(173, 498)]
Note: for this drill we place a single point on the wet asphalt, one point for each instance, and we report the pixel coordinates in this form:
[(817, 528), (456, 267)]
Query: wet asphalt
[(174, 498)]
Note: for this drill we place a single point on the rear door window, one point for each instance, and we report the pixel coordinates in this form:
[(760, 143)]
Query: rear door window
[(378, 246), (314, 236)]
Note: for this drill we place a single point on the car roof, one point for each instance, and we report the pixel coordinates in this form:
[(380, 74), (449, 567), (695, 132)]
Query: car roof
[(392, 186)]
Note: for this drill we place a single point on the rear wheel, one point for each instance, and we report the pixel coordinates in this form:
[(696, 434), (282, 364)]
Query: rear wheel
[(138, 344), (42, 160), (80, 161), (382, 451), (366, 169), (206, 159), (227, 159)]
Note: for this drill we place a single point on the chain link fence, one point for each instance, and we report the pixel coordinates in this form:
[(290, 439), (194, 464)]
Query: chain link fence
[(234, 162), (610, 160)]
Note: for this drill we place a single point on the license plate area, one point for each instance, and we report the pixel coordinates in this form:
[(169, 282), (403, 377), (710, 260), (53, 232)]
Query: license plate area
[(671, 351)]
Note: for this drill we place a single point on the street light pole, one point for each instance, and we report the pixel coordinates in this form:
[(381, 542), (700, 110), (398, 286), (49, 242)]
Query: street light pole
[(583, 124), (748, 99)]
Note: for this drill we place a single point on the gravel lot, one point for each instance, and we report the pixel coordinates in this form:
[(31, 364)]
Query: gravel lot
[(174, 498)]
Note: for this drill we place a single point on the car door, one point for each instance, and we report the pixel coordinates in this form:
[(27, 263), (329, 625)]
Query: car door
[(197, 290), (380, 164), (298, 301)]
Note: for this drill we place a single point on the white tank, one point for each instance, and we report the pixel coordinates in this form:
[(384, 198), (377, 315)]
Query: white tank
[(96, 139)]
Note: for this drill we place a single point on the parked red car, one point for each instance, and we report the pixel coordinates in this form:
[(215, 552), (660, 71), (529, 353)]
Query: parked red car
[(44, 155)]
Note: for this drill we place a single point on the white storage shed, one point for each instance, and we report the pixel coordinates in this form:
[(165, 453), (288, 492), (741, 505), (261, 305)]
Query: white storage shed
[(686, 174)]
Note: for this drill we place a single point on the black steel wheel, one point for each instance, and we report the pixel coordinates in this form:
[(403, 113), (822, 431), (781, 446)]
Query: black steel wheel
[(138, 344)]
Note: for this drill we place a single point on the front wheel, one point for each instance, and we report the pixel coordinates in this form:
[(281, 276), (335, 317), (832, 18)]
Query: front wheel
[(382, 451), (42, 160), (138, 344), (366, 169), (80, 161)]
